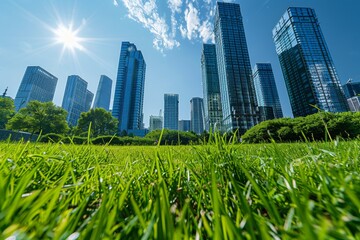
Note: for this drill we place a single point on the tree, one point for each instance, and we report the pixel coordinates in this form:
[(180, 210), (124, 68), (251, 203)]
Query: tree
[(102, 123), (38, 117), (173, 137), (7, 111)]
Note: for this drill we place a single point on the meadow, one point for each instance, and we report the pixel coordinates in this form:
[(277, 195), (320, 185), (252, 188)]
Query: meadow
[(218, 190)]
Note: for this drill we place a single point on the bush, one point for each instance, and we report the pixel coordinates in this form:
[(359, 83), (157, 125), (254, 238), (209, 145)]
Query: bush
[(315, 127), (172, 137)]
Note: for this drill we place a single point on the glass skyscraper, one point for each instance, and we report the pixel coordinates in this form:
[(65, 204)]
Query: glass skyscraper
[(211, 87), (171, 111), (307, 66), (103, 93), (266, 91), (238, 98), (89, 100), (156, 123), (129, 90), (197, 115), (351, 89), (74, 101), (37, 84), (185, 125)]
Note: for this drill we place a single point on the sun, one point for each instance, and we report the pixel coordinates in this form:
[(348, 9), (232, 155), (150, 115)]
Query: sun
[(68, 38)]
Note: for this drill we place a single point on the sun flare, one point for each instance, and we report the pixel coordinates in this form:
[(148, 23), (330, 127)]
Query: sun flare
[(68, 37)]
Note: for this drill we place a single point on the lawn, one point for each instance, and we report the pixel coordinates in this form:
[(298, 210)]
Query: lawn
[(219, 191)]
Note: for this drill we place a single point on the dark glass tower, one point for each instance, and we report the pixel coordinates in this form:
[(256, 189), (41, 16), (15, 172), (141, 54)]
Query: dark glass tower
[(171, 111), (351, 89), (103, 93), (88, 100), (74, 101), (266, 91), (37, 84), (238, 98), (307, 66), (211, 87), (197, 115), (129, 90)]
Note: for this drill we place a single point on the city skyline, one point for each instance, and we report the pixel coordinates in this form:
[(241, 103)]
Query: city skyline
[(172, 77)]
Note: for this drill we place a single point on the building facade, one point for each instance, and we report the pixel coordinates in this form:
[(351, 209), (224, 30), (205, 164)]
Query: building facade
[(171, 111), (37, 84), (354, 103), (185, 125), (75, 96), (103, 93), (239, 108), (197, 115), (307, 66), (156, 123), (89, 100), (129, 90), (211, 88), (351, 89), (266, 91)]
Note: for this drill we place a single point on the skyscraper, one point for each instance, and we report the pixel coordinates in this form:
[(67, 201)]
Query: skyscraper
[(156, 123), (351, 89), (266, 91), (88, 100), (37, 84), (103, 93), (307, 66), (74, 101), (171, 111), (238, 98), (185, 125), (129, 90), (211, 87), (197, 115)]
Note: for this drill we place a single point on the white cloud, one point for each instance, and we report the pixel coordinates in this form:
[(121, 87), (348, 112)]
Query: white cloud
[(187, 17), (116, 3)]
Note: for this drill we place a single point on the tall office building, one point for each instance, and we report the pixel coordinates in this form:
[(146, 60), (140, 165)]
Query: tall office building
[(197, 115), (266, 91), (156, 123), (351, 89), (307, 66), (354, 103), (88, 100), (238, 98), (37, 84), (74, 101), (171, 111), (129, 90), (211, 88), (103, 93), (185, 125)]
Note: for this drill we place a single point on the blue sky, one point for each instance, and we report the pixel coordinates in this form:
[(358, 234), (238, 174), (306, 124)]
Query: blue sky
[(168, 32)]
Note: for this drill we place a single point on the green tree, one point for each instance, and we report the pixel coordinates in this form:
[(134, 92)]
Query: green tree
[(7, 111), (173, 137), (102, 123), (38, 117)]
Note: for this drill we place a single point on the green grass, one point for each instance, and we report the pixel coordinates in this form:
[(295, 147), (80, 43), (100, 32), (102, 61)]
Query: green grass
[(219, 191)]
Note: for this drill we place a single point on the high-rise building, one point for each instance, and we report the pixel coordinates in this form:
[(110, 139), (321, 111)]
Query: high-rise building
[(74, 101), (197, 115), (37, 84), (307, 66), (156, 123), (266, 91), (351, 89), (185, 125), (103, 93), (129, 90), (88, 100), (354, 103), (171, 111), (238, 98), (211, 88)]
